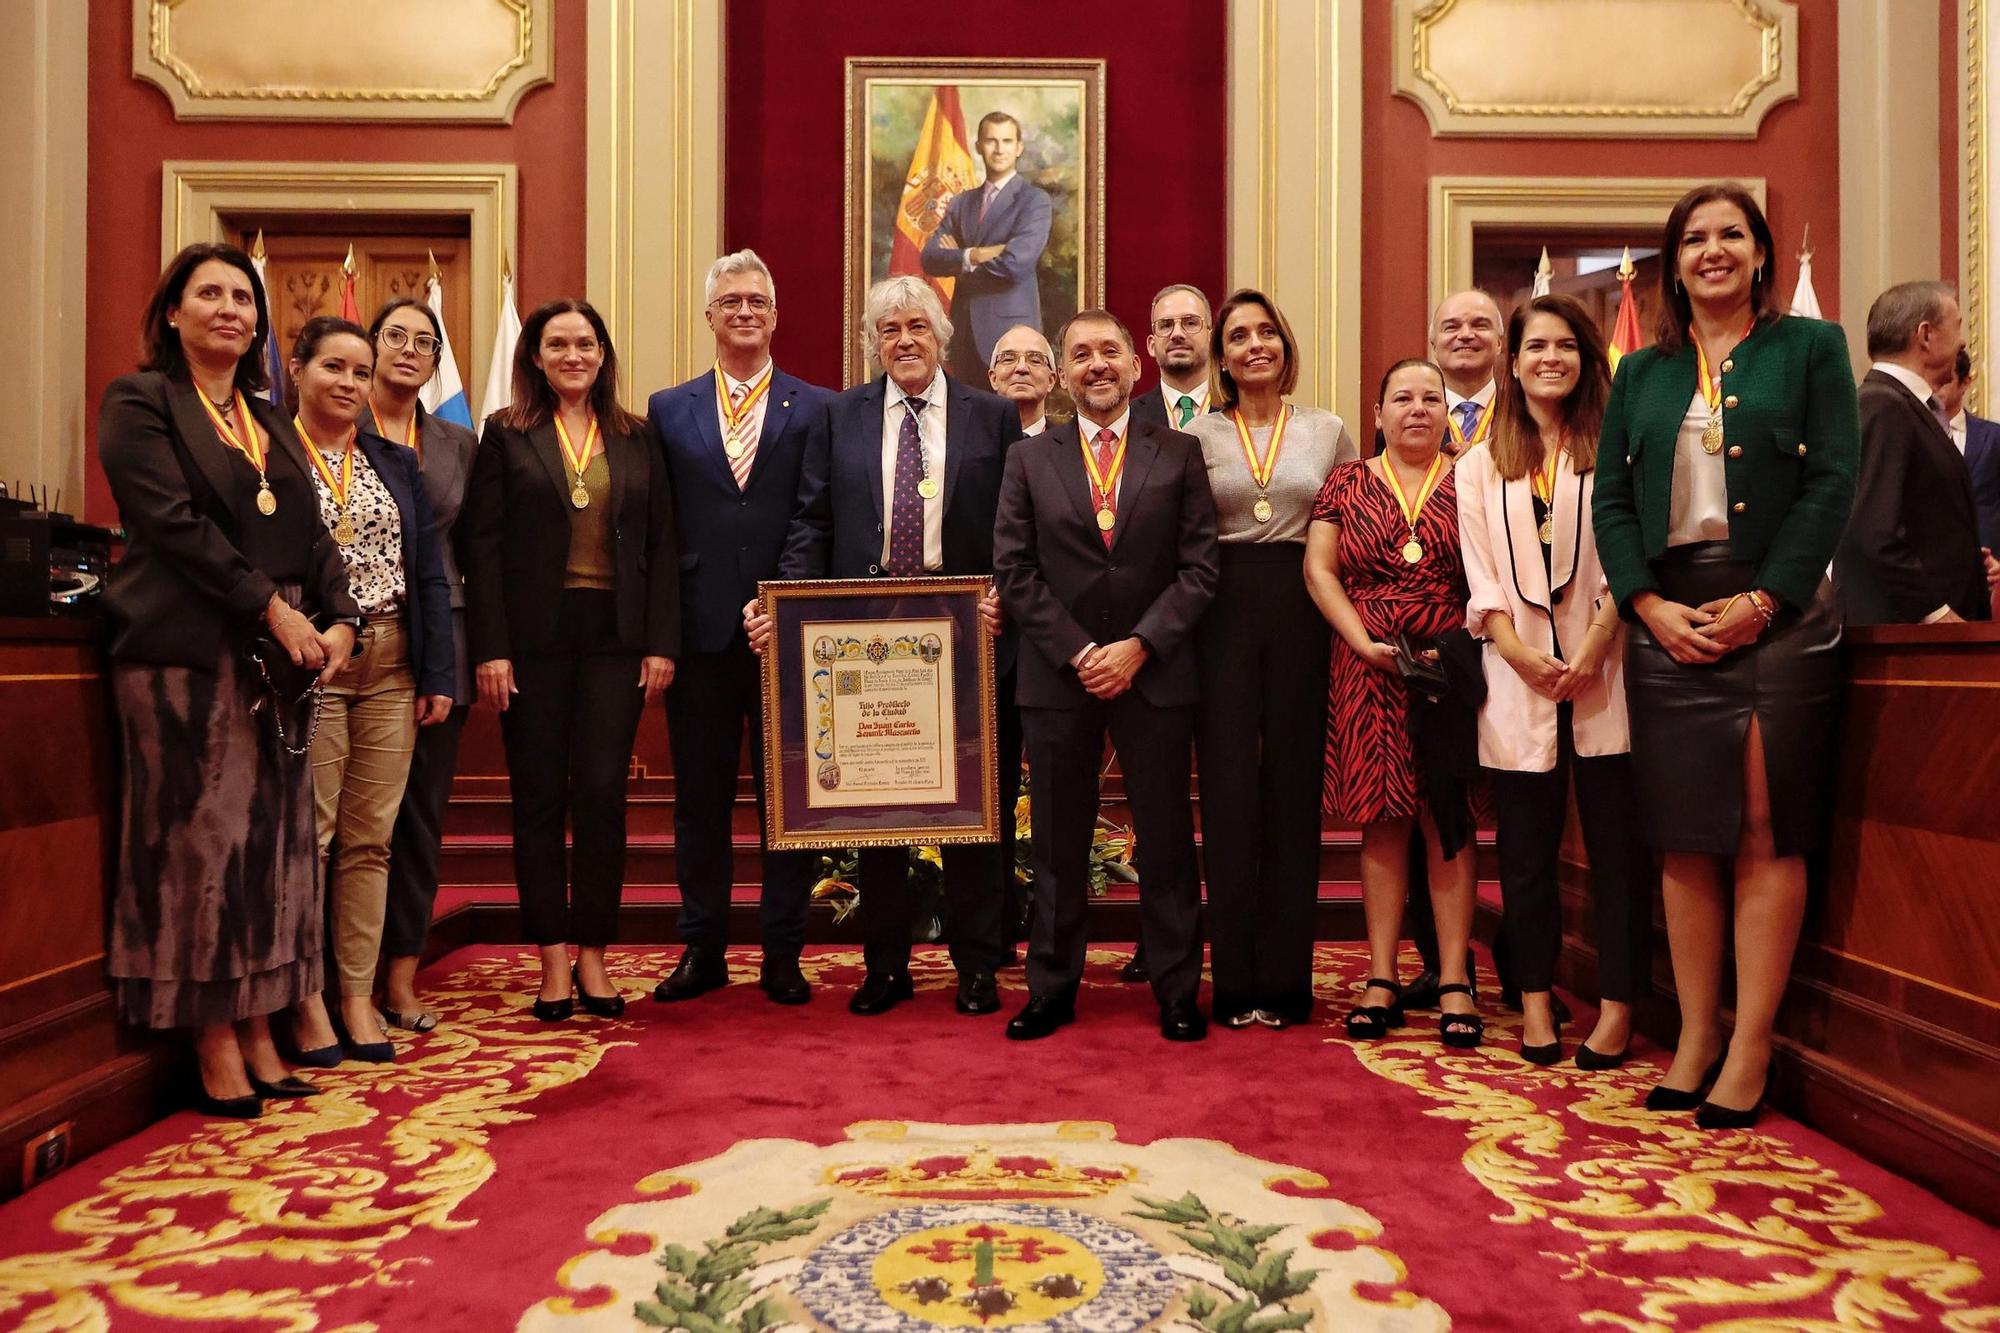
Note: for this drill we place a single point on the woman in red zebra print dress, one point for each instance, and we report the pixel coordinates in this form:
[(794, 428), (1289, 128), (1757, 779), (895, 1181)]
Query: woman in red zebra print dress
[(1382, 558)]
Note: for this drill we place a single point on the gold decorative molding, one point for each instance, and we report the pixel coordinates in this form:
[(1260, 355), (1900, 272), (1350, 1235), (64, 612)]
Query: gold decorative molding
[(1980, 46), (1460, 205), (198, 198), (653, 204), (1295, 75), (364, 60), (1607, 69)]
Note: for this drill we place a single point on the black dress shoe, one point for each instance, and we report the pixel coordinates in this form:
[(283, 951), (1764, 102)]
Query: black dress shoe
[(1422, 993), (604, 1006), (1589, 1058), (1664, 1098), (1135, 971), (1714, 1115), (1182, 1022), (1545, 1054), (880, 992), (977, 994), (554, 1011), (698, 972), (1039, 1018), (1249, 1018), (781, 979), (288, 1086), (231, 1108)]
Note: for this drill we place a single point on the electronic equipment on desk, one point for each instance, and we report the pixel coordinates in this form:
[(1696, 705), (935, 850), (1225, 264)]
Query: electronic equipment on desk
[(50, 564)]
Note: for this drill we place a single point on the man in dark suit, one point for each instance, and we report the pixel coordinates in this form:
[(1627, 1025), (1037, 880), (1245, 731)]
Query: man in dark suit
[(901, 480), (1105, 556), (1979, 440), (1911, 550), (734, 451), (1179, 325), (990, 245)]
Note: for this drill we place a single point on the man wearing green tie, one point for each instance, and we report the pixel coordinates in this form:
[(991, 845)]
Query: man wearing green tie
[(1177, 336)]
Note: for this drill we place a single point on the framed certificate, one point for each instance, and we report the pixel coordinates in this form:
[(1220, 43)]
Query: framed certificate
[(878, 714)]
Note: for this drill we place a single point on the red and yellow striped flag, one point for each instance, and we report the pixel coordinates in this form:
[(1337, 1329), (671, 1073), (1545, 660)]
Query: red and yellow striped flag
[(941, 166), (1625, 335)]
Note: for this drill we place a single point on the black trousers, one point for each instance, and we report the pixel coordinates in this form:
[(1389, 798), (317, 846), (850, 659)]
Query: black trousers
[(1007, 735), (1531, 808), (1065, 750), (714, 697), (1260, 745), (418, 839), (569, 734)]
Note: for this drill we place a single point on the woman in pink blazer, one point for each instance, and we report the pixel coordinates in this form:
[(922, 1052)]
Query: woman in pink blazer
[(1554, 671)]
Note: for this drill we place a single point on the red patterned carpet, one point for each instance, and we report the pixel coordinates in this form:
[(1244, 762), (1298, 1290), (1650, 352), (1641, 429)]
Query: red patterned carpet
[(730, 1164)]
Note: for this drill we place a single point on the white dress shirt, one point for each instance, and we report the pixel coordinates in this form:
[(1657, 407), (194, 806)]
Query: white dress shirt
[(1698, 501), (1041, 424), (930, 435), (1452, 398), (1925, 396), (1956, 429), (730, 384)]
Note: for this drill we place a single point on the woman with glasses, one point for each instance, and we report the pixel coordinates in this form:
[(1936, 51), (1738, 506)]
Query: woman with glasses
[(1264, 653), (573, 614), (408, 341)]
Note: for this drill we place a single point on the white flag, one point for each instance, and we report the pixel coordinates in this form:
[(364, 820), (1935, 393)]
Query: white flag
[(444, 396), (1805, 301), (500, 366)]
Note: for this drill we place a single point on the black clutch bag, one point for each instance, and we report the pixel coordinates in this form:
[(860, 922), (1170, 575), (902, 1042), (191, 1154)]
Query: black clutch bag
[(1419, 664), (281, 686)]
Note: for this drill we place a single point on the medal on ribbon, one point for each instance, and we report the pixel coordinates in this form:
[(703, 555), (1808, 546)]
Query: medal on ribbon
[(1413, 550), (250, 444), (1711, 390), (1104, 485), (1543, 479), (1481, 425), (1262, 469), (737, 419), (338, 484), (578, 463), (409, 431)]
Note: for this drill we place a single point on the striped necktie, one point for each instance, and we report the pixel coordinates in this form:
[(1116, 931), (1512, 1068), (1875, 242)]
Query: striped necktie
[(743, 434)]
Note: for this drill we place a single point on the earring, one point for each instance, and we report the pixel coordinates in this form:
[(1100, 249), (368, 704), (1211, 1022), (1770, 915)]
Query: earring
[(1760, 273)]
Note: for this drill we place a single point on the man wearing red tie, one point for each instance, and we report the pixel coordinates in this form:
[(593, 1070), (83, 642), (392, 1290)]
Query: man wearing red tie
[(1104, 552)]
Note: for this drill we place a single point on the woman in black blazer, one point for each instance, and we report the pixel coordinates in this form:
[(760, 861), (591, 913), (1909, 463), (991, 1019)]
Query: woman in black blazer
[(216, 916), (372, 500), (573, 612)]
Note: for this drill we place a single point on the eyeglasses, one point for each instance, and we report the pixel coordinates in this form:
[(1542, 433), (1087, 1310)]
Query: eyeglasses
[(756, 302), (1008, 360), (396, 340)]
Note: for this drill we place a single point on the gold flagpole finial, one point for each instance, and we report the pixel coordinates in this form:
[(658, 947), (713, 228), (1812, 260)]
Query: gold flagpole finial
[(1805, 244), (347, 264), (506, 267), (432, 256), (1626, 271), (257, 247), (1545, 269)]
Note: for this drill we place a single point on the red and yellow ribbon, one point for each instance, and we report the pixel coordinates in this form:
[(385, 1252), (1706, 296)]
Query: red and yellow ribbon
[(250, 443), (338, 485), (1480, 427), (1262, 469), (1431, 481), (578, 462), (735, 417), (1104, 485)]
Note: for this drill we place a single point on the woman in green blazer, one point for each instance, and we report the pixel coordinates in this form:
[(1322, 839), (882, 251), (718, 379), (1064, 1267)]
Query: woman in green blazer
[(1724, 476)]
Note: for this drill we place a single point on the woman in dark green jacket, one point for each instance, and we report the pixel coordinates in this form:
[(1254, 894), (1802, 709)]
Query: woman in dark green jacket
[(1724, 476)]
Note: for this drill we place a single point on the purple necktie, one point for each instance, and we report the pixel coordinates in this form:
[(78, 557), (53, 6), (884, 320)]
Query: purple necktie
[(906, 506)]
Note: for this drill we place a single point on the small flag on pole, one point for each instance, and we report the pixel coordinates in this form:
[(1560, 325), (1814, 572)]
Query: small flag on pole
[(500, 365), (1805, 301), (274, 354), (348, 309), (444, 395), (1625, 335), (1544, 274)]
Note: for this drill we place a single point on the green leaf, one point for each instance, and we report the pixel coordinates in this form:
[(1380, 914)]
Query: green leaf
[(678, 1259), (1231, 1318), (762, 1315), (1201, 1303), (659, 1316), (1257, 1235), (674, 1296), (1271, 1323), (725, 1263), (725, 1296)]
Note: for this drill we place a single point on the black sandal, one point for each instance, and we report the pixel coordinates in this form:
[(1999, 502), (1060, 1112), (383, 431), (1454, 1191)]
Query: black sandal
[(1368, 1022), (1460, 1030)]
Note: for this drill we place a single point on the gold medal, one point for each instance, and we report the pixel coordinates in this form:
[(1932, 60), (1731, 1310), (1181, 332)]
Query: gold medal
[(339, 482), (1261, 511), (1103, 483), (734, 447), (1106, 520), (267, 502), (1711, 388), (1413, 551), (1543, 480), (343, 530), (1261, 469), (578, 496), (928, 488), (579, 462), (1711, 436), (1547, 532), (249, 443), (736, 418)]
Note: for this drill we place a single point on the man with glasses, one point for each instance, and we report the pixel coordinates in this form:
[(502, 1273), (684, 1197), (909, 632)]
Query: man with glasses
[(1023, 372), (1178, 333), (734, 438)]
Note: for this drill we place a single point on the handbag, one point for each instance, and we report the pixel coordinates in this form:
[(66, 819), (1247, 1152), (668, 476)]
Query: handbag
[(1419, 664), (282, 686)]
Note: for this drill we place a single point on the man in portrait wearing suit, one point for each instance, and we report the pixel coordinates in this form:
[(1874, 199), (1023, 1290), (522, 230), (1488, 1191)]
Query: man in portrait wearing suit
[(734, 438), (901, 481), (1105, 556), (990, 244), (1177, 334), (1911, 550), (1979, 440)]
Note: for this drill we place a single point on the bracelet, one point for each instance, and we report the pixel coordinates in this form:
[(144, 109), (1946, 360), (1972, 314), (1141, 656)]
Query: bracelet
[(1727, 607), (1596, 624), (1767, 605)]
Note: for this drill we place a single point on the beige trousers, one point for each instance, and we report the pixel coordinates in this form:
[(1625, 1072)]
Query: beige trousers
[(360, 764)]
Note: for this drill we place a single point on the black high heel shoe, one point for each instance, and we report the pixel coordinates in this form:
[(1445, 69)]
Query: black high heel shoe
[(1597, 1061), (554, 1011), (289, 1086), (229, 1108), (1714, 1115), (604, 1006), (1368, 1022), (1663, 1098), (1463, 1031)]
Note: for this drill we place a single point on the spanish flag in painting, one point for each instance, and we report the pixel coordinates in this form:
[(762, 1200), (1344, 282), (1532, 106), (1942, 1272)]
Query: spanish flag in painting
[(941, 166)]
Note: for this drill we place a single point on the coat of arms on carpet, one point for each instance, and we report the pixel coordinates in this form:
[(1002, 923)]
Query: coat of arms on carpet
[(1042, 1228)]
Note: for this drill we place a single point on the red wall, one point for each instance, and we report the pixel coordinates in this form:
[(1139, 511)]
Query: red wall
[(1797, 151), (1166, 86), (132, 130)]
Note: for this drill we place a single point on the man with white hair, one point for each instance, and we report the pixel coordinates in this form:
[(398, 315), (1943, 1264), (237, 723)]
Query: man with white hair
[(734, 438), (902, 480), (1023, 371)]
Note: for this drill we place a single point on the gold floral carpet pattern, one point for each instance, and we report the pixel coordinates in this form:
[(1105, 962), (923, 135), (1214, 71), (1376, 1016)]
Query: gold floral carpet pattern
[(458, 1188)]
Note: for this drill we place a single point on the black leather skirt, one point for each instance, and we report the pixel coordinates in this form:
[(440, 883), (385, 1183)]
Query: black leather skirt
[(1689, 723)]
